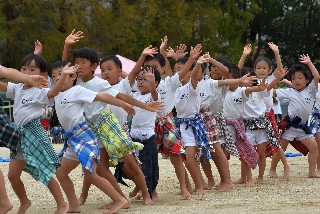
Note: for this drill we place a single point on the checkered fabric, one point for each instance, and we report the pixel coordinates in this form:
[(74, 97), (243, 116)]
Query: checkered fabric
[(315, 121), (270, 149), (41, 158)]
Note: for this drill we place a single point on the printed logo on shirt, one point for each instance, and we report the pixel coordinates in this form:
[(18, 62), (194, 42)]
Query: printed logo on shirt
[(184, 96), (237, 100), (162, 94), (26, 101), (65, 103), (307, 100), (255, 98), (203, 95)]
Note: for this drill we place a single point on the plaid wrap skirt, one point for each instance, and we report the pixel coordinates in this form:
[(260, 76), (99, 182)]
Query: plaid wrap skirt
[(211, 125), (270, 149)]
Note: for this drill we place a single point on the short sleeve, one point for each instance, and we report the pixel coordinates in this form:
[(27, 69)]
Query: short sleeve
[(87, 96), (10, 90), (125, 87), (282, 93), (264, 93), (214, 86), (41, 96), (313, 89), (245, 98), (107, 88), (174, 82)]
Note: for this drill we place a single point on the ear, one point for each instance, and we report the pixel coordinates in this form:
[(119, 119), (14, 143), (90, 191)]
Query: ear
[(94, 66), (73, 77), (270, 71)]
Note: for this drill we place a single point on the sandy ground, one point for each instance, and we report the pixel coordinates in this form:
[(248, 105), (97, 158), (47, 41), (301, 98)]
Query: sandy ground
[(298, 195)]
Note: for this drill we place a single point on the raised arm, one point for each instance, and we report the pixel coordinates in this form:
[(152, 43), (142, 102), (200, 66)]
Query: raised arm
[(194, 53), (197, 69), (70, 40), (246, 51), (67, 70), (275, 50), (37, 48), (305, 59), (149, 76), (136, 69), (280, 74), (163, 46), (224, 70)]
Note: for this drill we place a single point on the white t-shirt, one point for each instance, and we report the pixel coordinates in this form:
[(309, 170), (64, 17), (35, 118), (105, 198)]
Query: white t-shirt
[(208, 89), (317, 104), (268, 101), (216, 103), (255, 107), (187, 101), (234, 102), (277, 107), (93, 110), (300, 103), (28, 104), (70, 105), (123, 87), (166, 89)]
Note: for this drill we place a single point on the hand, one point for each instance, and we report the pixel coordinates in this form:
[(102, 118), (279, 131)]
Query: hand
[(129, 109), (247, 80), (247, 49), (203, 59), (37, 48), (38, 81), (263, 85), (305, 59), (282, 72), (68, 69), (74, 37), (163, 45), (149, 51), (285, 81), (170, 53), (149, 76), (273, 47), (155, 106), (181, 51), (195, 52)]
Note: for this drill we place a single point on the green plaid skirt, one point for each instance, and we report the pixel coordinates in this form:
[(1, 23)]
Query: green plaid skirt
[(41, 159)]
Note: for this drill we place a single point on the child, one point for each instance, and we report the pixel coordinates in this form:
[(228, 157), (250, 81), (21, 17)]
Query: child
[(263, 69), (301, 100), (35, 154), (9, 136), (142, 128), (82, 145)]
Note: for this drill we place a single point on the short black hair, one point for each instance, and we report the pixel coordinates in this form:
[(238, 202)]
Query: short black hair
[(158, 57), (156, 72), (39, 61), (86, 53), (246, 70), (57, 65), (182, 60), (223, 61), (235, 72), (300, 68), (113, 58), (263, 59)]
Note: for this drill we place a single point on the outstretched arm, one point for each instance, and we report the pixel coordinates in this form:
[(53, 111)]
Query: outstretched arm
[(246, 51), (263, 85), (246, 81), (70, 40), (107, 98), (280, 74)]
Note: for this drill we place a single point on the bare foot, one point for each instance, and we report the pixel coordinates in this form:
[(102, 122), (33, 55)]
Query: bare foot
[(185, 194), (74, 209), (82, 199), (199, 192), (250, 184), (155, 197), (259, 181), (240, 181), (23, 207), (62, 209), (134, 192), (224, 186), (204, 185), (110, 205), (6, 207), (211, 184), (116, 206), (273, 173), (286, 174), (148, 201), (314, 175), (216, 186)]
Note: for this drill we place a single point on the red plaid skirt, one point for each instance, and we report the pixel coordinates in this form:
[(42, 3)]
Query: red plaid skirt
[(270, 149)]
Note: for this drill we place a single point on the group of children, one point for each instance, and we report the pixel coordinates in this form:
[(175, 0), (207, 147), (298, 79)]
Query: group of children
[(221, 110)]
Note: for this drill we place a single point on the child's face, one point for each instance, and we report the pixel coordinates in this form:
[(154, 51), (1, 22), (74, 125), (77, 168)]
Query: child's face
[(68, 83), (177, 67), (215, 73), (154, 64), (262, 69), (299, 81), (110, 72), (31, 69), (85, 68), (143, 84)]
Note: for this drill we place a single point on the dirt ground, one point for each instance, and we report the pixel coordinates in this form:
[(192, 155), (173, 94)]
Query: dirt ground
[(298, 195)]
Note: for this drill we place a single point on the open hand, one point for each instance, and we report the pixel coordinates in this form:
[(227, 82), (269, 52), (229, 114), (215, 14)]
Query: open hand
[(37, 48), (74, 37), (247, 80), (247, 49), (305, 59), (263, 85), (38, 81), (170, 53), (68, 69), (195, 52), (149, 51), (163, 45), (282, 72), (181, 51), (155, 106), (273, 47), (129, 109)]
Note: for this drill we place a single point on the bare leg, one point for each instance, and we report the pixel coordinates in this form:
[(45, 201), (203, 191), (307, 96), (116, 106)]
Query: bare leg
[(193, 168), (15, 169), (248, 174), (85, 190), (312, 146), (136, 172), (206, 167), (276, 159), (62, 174), (262, 162), (180, 172), (5, 203), (318, 159), (222, 165), (105, 186), (286, 169), (243, 178), (62, 206)]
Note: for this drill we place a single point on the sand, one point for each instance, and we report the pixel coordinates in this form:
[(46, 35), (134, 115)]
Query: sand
[(298, 195)]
